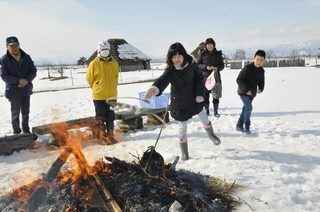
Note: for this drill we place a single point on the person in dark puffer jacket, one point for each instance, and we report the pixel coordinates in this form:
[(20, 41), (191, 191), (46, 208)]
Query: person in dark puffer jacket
[(17, 70), (186, 96), (211, 60)]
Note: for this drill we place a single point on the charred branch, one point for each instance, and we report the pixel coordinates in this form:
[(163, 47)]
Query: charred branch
[(38, 196), (109, 203)]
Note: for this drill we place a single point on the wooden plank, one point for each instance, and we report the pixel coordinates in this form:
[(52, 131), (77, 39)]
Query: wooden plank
[(64, 126), (10, 144), (131, 124), (127, 115)]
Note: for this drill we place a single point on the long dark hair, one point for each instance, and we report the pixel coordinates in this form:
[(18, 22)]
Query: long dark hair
[(174, 49)]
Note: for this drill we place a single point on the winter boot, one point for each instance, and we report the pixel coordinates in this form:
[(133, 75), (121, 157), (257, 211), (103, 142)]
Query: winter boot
[(184, 148), (212, 136), (206, 107), (215, 109)]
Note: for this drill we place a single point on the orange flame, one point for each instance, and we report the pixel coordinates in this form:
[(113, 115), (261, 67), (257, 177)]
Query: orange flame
[(23, 193), (66, 136), (71, 208), (173, 192)]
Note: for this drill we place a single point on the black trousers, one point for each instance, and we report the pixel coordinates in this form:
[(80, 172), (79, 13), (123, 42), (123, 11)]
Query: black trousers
[(207, 98), (20, 104), (104, 113)]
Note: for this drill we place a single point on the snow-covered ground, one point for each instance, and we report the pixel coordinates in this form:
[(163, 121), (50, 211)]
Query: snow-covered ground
[(279, 162)]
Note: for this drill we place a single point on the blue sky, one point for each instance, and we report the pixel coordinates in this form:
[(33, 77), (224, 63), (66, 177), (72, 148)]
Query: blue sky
[(65, 30)]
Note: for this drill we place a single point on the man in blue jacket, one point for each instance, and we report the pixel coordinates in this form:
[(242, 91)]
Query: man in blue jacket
[(17, 70)]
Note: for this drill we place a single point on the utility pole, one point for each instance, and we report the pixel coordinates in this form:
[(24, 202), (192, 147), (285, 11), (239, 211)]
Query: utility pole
[(318, 57)]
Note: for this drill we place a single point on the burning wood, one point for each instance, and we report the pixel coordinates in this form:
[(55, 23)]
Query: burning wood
[(58, 131), (113, 185), (38, 195), (145, 185)]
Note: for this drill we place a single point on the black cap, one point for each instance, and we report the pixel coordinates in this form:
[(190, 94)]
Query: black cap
[(12, 40)]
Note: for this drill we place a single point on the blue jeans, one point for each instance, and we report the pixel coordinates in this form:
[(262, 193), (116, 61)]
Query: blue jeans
[(245, 115)]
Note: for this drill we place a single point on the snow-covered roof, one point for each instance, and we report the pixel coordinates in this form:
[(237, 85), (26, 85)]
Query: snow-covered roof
[(129, 52)]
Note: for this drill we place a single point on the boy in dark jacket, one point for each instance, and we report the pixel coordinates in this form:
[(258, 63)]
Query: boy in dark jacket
[(17, 70), (250, 82)]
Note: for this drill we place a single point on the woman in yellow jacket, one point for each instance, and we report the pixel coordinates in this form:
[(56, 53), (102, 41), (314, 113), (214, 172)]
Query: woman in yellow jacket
[(102, 76)]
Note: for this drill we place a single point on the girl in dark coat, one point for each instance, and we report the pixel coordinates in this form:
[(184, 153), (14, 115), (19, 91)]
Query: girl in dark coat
[(186, 97), (210, 60)]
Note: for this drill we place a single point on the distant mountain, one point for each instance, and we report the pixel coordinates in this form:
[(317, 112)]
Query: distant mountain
[(282, 50)]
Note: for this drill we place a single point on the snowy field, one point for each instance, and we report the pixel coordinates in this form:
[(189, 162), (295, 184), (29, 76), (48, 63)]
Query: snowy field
[(279, 162)]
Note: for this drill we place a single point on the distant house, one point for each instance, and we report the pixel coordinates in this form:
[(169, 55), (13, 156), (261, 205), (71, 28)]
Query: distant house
[(129, 57)]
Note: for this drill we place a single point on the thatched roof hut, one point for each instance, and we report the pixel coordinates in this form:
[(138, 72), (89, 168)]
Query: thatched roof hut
[(196, 52), (129, 57)]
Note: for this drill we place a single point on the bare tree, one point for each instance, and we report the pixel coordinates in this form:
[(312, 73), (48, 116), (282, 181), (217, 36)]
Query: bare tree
[(270, 54), (240, 54), (61, 68), (294, 54), (48, 65)]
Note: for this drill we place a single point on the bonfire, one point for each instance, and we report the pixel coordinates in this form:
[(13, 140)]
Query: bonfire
[(112, 185)]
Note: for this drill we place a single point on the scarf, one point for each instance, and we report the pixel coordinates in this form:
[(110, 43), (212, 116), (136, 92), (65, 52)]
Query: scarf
[(180, 67), (16, 57)]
